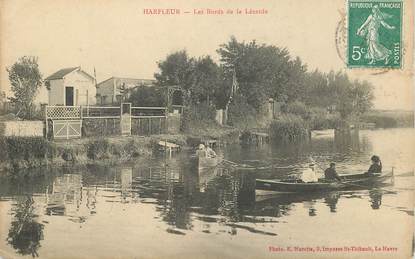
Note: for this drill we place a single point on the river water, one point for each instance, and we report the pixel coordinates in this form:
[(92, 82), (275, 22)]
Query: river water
[(170, 207)]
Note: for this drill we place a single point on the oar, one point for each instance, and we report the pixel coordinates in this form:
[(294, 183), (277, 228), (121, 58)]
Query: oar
[(405, 174), (365, 187)]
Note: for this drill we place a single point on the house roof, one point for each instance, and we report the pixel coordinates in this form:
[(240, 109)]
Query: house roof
[(61, 73), (134, 81)]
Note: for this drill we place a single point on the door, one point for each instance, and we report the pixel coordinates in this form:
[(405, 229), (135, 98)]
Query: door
[(69, 96)]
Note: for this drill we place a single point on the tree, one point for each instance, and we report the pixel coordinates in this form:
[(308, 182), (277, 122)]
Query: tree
[(362, 93), (350, 97), (145, 96), (318, 93), (198, 77), (263, 71), (336, 90), (175, 70), (205, 79), (25, 79)]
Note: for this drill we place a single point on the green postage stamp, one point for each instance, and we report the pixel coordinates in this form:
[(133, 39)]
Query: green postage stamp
[(374, 34)]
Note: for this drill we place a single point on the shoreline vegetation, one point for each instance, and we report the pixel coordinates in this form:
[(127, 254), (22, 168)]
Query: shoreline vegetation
[(17, 154), (254, 88), (20, 153)]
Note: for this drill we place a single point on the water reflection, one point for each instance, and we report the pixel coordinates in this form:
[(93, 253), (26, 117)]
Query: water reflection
[(126, 183), (66, 195), (25, 232), (185, 198), (347, 141), (331, 201), (375, 199)]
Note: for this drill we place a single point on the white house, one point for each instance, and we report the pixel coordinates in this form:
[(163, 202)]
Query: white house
[(110, 91), (71, 87)]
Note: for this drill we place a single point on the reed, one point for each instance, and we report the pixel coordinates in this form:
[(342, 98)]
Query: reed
[(288, 128)]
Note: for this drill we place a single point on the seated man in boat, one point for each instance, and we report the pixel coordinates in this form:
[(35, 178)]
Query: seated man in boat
[(376, 167), (331, 174), (210, 153), (309, 174)]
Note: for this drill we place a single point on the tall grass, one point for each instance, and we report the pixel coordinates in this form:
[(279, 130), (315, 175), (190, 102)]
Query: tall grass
[(319, 119), (25, 148), (241, 115), (288, 128), (98, 149), (198, 119)]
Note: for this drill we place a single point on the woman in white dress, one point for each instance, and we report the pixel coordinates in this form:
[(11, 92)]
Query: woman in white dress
[(309, 174), (370, 30)]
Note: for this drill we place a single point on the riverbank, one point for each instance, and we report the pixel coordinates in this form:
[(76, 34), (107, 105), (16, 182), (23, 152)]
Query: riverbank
[(19, 153)]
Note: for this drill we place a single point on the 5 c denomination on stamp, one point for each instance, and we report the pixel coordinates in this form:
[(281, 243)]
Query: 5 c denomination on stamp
[(374, 34)]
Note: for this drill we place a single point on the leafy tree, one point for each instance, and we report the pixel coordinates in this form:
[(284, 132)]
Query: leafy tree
[(336, 90), (350, 97), (362, 95), (145, 96), (318, 93), (205, 79), (263, 71), (175, 70), (25, 79), (198, 77)]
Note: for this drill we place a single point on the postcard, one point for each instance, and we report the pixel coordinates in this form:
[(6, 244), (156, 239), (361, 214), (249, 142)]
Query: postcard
[(207, 129)]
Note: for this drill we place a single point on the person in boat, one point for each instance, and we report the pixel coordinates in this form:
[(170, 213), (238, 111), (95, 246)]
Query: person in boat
[(309, 174), (204, 151), (201, 151), (331, 174), (376, 166), (210, 153)]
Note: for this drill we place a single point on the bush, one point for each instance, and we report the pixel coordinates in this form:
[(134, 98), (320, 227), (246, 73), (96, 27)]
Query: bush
[(147, 96), (25, 148), (97, 149), (297, 108), (320, 119), (196, 115), (101, 127), (241, 114), (4, 155), (288, 128), (129, 150)]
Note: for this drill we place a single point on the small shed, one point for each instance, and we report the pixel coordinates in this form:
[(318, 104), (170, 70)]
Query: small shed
[(71, 87)]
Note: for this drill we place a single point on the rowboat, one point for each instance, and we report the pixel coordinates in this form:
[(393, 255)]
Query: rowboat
[(352, 181)]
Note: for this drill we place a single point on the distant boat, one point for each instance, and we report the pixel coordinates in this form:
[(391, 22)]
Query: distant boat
[(348, 181), (322, 133)]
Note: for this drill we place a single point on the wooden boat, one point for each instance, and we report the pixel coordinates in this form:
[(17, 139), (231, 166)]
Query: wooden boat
[(322, 133), (208, 162), (348, 182)]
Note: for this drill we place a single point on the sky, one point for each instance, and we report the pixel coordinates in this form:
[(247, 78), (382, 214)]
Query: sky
[(118, 39)]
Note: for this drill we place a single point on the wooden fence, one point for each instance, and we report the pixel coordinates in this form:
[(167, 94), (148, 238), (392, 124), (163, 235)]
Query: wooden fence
[(132, 120)]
